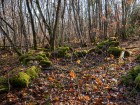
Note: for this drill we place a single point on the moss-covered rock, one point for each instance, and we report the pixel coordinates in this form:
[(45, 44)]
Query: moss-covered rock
[(48, 54), (20, 80), (42, 54), (24, 59), (135, 71), (113, 39), (132, 77), (60, 52), (127, 53), (3, 84), (68, 55), (127, 79), (80, 53), (91, 50), (33, 72), (138, 58), (3, 80), (45, 63), (38, 58), (137, 81), (116, 51), (3, 88), (107, 43)]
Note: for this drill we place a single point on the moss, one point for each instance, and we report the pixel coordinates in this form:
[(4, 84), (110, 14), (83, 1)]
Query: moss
[(68, 55), (113, 39), (127, 79), (38, 58), (138, 58), (32, 72), (48, 54), (3, 84), (42, 53), (127, 53), (91, 50), (24, 59), (3, 88), (80, 53), (107, 43), (131, 76), (116, 51), (3, 80), (135, 71), (20, 80), (31, 52), (137, 81), (21, 58), (45, 63), (62, 51)]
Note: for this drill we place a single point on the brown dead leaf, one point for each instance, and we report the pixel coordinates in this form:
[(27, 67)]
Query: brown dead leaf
[(72, 74), (99, 82), (50, 79)]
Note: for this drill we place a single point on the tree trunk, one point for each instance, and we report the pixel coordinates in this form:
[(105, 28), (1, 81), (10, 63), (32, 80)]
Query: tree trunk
[(32, 25)]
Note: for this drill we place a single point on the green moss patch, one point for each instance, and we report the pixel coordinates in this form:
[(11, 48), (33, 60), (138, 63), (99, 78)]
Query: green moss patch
[(116, 51), (60, 52), (132, 77), (138, 58), (3, 84), (108, 43), (68, 55), (80, 53), (137, 81), (33, 72), (24, 59), (29, 58), (45, 63), (20, 80)]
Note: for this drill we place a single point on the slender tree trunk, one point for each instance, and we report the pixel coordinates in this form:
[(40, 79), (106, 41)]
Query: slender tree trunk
[(52, 41), (32, 25), (106, 19), (10, 41)]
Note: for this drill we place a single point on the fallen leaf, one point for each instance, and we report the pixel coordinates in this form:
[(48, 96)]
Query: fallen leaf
[(50, 79), (78, 61), (72, 74), (99, 82)]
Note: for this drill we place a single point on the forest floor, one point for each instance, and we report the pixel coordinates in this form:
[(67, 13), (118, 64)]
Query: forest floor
[(89, 80)]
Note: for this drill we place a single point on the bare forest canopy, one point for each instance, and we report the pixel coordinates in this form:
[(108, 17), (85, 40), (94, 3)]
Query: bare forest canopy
[(35, 23)]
